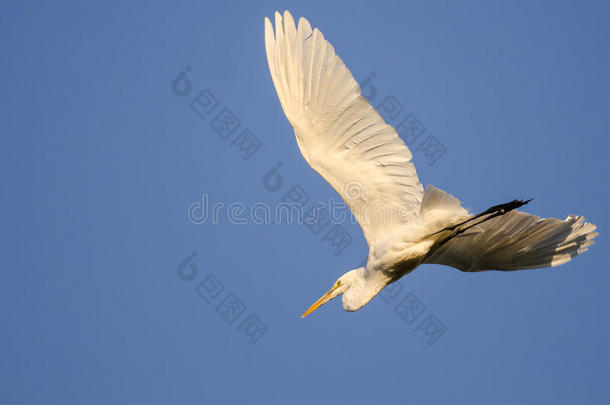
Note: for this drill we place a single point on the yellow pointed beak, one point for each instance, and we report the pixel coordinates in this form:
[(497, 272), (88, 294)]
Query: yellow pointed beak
[(323, 300)]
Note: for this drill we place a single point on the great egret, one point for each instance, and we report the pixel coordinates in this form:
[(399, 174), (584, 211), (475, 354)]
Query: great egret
[(344, 139)]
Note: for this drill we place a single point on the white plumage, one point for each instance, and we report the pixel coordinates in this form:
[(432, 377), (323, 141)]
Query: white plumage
[(340, 135), (344, 139), (516, 241)]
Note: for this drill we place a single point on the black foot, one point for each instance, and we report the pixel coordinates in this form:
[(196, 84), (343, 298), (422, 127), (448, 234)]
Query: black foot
[(495, 211)]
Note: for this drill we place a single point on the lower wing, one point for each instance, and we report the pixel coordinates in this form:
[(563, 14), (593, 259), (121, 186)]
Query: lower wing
[(516, 241)]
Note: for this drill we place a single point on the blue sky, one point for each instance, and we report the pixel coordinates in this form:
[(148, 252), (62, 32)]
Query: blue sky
[(101, 157)]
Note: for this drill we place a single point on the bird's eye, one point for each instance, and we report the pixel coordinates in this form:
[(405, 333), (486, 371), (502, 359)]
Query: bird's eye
[(338, 283)]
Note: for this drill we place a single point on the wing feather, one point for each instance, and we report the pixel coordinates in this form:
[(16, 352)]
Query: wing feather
[(516, 241), (340, 135)]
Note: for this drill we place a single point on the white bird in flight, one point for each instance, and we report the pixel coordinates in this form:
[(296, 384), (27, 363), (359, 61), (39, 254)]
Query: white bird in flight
[(344, 139)]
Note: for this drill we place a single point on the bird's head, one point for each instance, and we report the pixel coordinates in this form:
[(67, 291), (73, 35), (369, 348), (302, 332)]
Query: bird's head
[(351, 286)]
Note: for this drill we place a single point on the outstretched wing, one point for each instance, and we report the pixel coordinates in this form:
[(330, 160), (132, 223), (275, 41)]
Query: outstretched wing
[(339, 133), (516, 241)]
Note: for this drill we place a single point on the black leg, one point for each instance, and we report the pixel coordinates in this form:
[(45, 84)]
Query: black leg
[(495, 211)]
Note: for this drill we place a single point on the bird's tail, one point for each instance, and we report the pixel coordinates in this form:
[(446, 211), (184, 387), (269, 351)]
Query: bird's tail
[(516, 240)]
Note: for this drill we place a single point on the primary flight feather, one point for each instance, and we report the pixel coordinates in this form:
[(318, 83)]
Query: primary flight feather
[(344, 139)]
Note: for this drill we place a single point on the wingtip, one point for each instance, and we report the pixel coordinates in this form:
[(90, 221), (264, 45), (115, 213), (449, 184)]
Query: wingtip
[(282, 18), (304, 27), (268, 24)]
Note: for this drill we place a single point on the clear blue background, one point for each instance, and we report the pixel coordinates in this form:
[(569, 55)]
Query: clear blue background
[(100, 160)]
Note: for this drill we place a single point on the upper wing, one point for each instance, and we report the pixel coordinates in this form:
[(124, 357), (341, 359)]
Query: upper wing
[(340, 134), (515, 241)]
